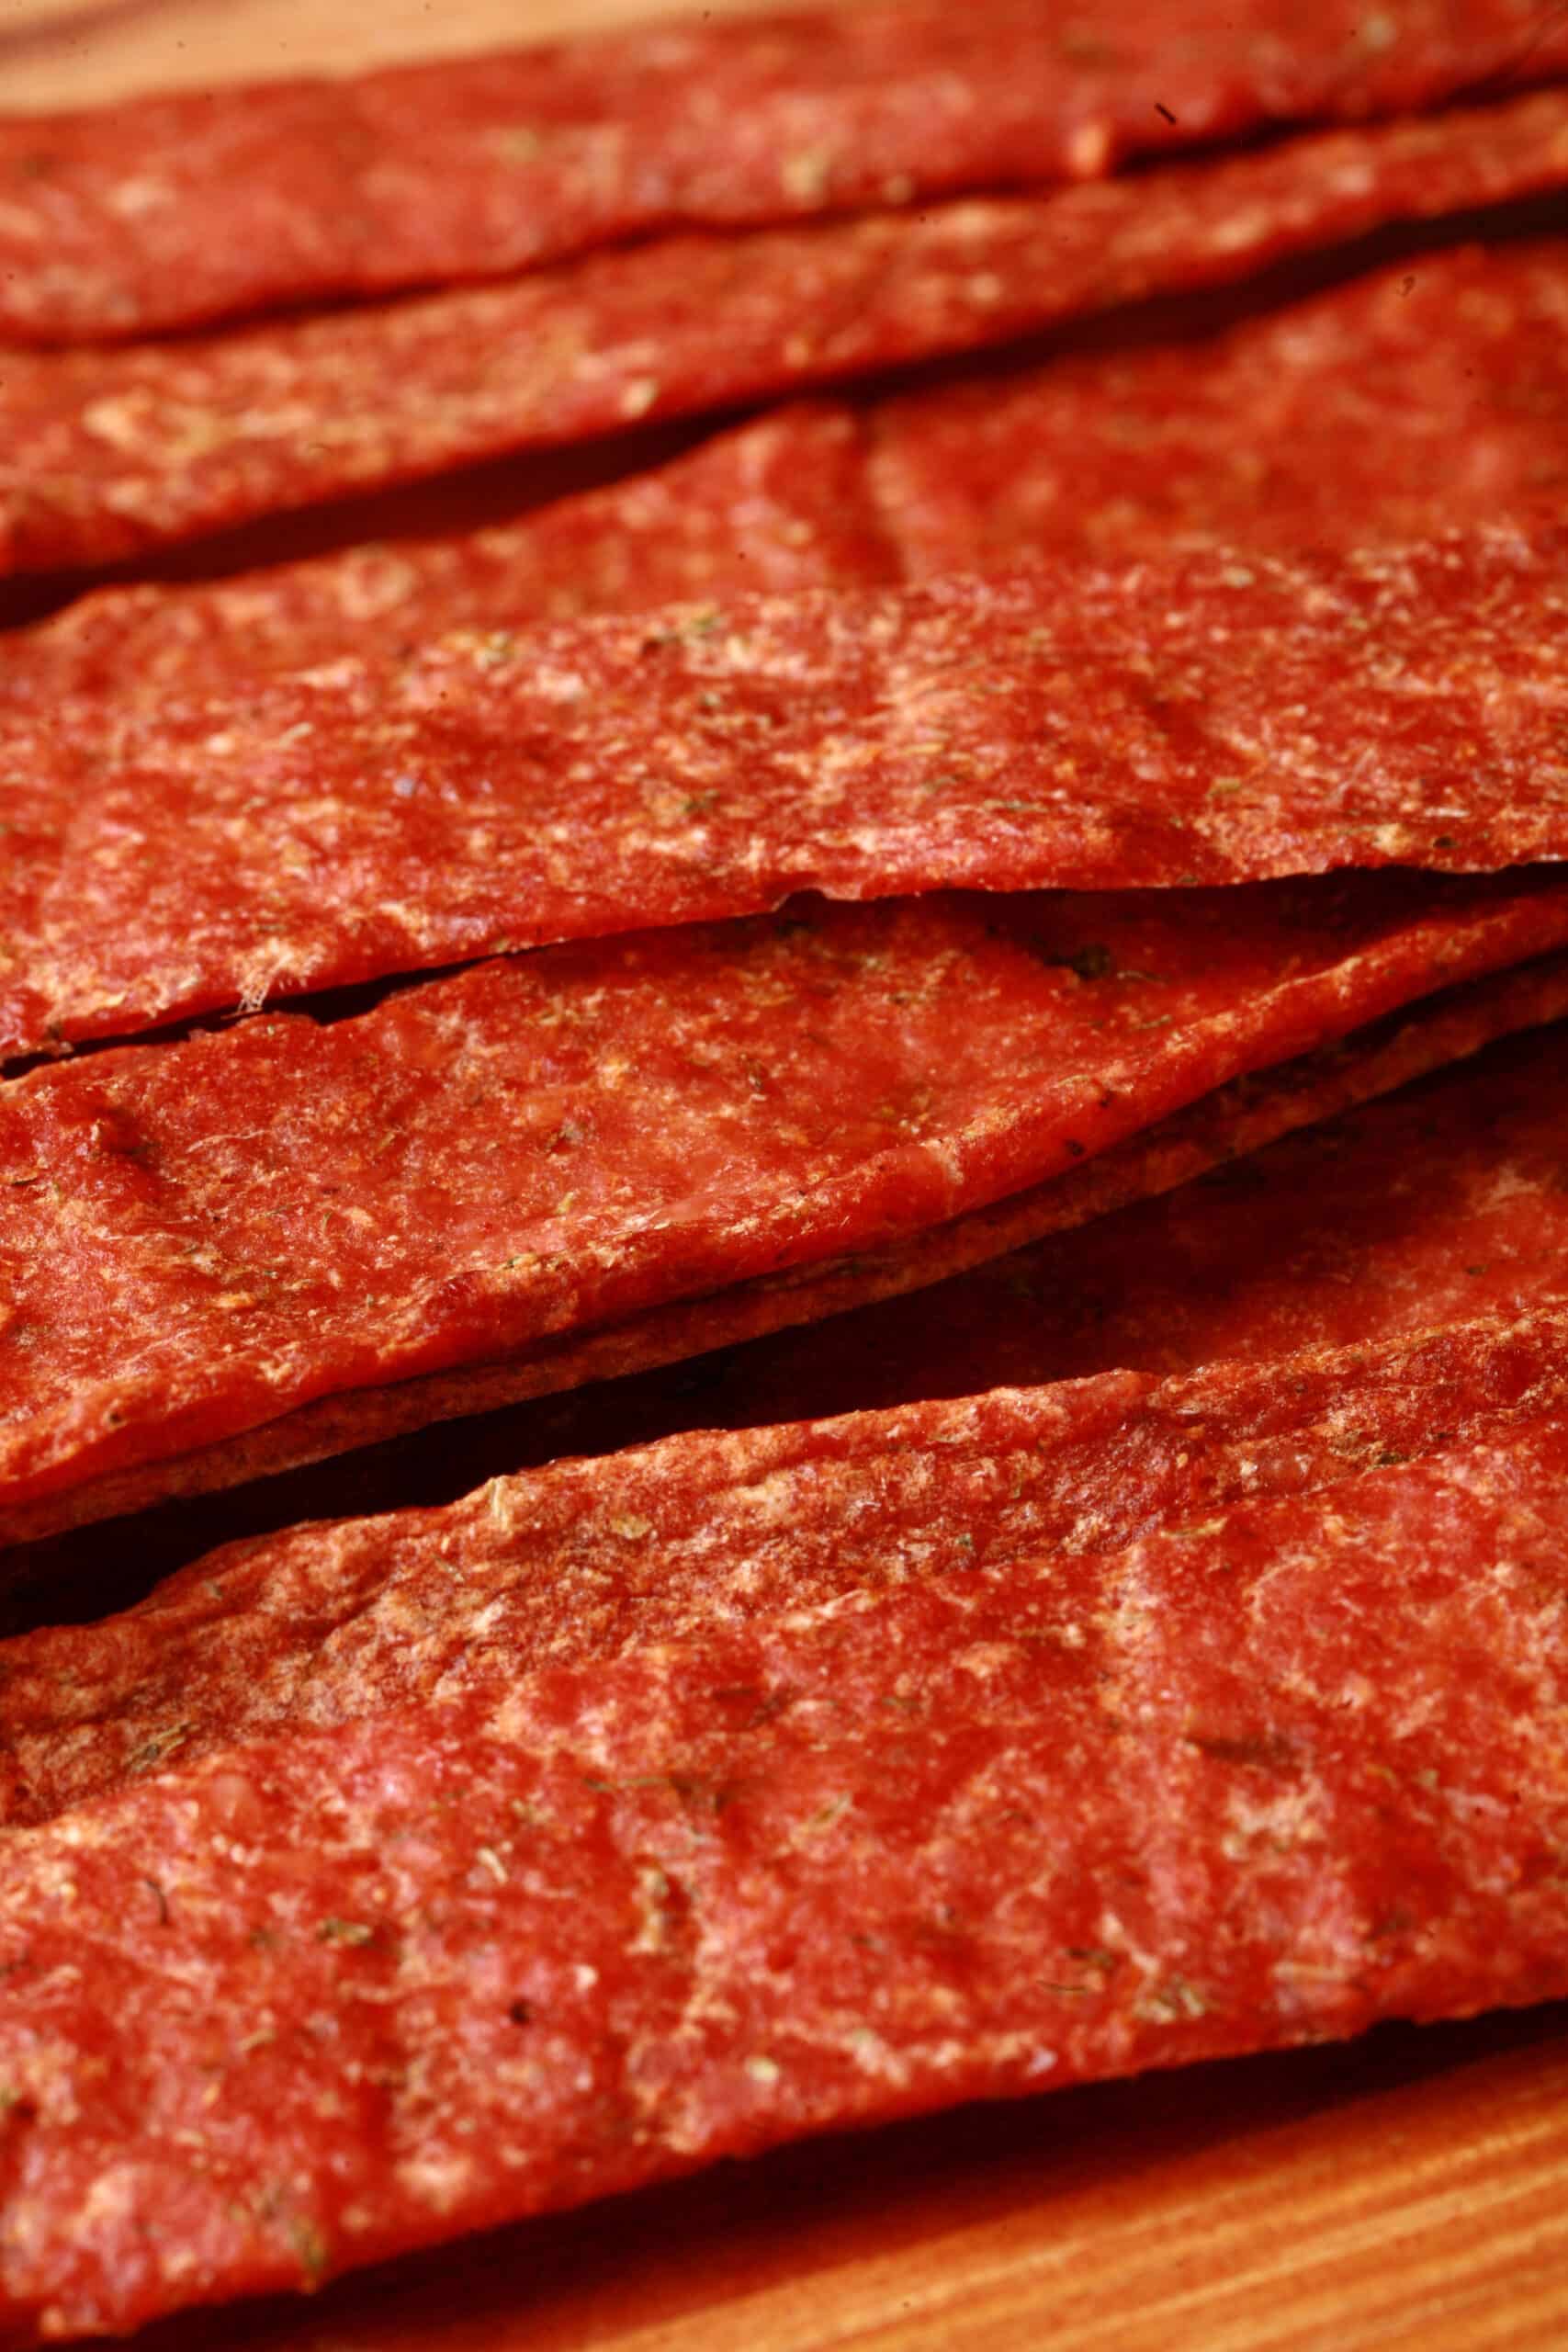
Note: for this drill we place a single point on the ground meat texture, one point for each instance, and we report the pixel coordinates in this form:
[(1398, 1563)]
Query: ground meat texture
[(325, 1997), (774, 506), (700, 1532), (168, 210), (200, 1237), (1424, 396), (1210, 719), (1441, 1205), (673, 1367), (108, 454), (1434, 391)]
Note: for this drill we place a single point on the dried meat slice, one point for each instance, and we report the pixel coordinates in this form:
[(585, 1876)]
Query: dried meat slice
[(419, 1441), (1206, 720), (1432, 391), (172, 210), (1441, 1205), (1422, 397), (325, 1997), (589, 1559), (103, 455), (775, 504), (198, 1239)]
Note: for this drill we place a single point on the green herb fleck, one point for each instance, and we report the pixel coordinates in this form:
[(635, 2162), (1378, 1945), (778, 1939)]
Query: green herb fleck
[(311, 2251), (344, 1931), (1174, 2002)]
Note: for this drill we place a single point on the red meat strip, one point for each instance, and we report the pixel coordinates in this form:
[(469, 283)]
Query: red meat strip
[(106, 454), (775, 505), (1423, 397), (1435, 388), (596, 1391), (1444, 1203), (169, 210), (969, 1304), (587, 1559), (1206, 720), (322, 1998), (196, 1239)]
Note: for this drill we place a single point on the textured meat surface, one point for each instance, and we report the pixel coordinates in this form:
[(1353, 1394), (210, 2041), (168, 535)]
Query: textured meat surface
[(1436, 389), (774, 506), (320, 1998), (435, 1870), (1207, 719), (704, 1532), (198, 1238), (1441, 1205), (1420, 398), (686, 1364), (103, 455), (168, 210)]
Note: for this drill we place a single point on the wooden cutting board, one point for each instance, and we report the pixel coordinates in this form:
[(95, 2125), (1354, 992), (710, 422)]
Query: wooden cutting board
[(1411, 2189)]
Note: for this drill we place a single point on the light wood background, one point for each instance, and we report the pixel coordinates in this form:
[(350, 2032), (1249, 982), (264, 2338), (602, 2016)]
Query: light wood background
[(1411, 2190), (80, 52)]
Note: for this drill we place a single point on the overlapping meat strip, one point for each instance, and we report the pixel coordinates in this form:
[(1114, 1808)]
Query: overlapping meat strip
[(1437, 388), (1423, 1241), (323, 1998), (106, 454), (172, 210), (1443, 1204), (675, 1366), (587, 1559), (774, 506), (1205, 721), (196, 1239), (970, 1304), (1428, 395)]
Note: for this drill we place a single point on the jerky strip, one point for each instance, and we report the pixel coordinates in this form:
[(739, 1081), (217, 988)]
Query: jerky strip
[(1415, 399), (328, 1997), (1434, 391), (580, 1393), (776, 505), (1443, 1205), (1205, 721), (1419, 398), (168, 210), (586, 1560), (105, 455), (196, 1239)]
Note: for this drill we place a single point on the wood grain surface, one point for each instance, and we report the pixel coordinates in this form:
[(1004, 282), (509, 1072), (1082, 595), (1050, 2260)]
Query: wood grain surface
[(1409, 2191)]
